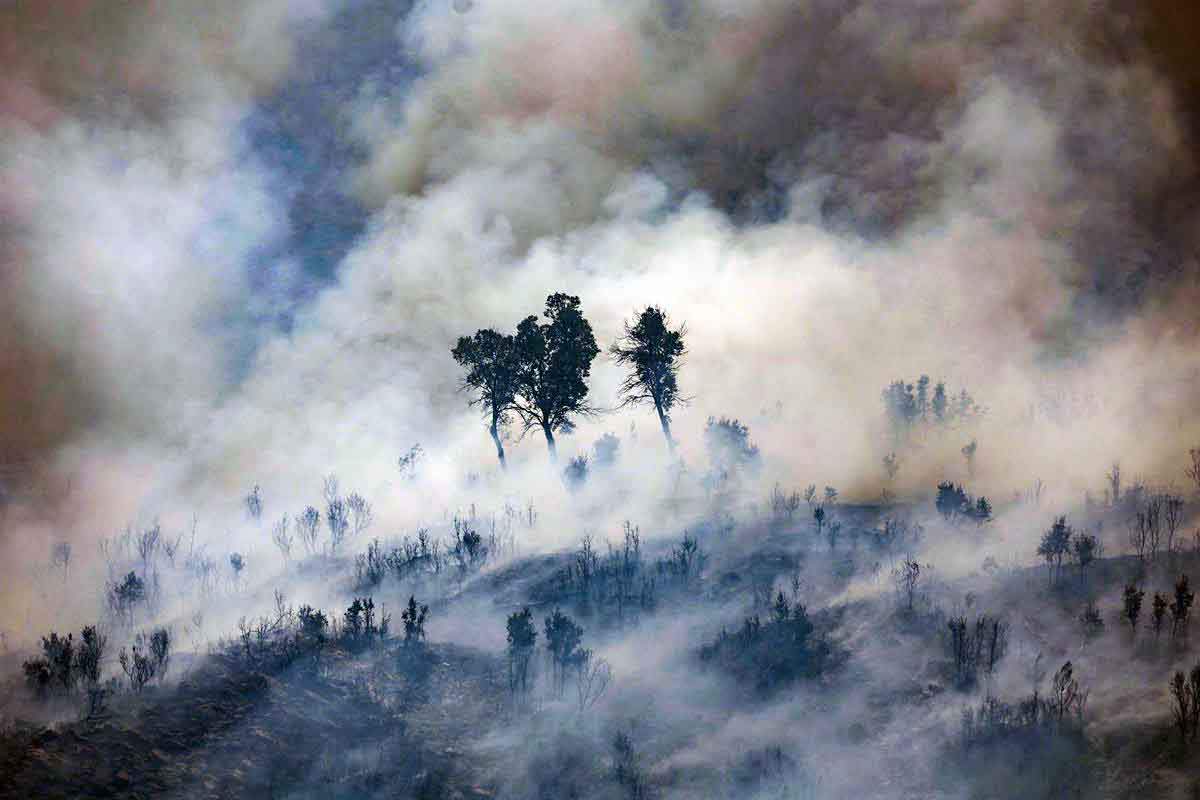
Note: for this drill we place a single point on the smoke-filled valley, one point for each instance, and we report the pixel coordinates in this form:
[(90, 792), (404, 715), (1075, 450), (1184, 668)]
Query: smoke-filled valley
[(470, 398)]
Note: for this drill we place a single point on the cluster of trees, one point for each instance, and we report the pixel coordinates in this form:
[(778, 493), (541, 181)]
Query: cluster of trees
[(346, 518), (1154, 523), (422, 557), (909, 405), (770, 653), (65, 664), (976, 647), (1178, 604), (955, 504), (538, 375), (568, 659), (995, 720), (291, 635), (613, 586), (1061, 543)]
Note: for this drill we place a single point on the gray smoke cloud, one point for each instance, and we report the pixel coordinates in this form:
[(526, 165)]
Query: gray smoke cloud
[(831, 195)]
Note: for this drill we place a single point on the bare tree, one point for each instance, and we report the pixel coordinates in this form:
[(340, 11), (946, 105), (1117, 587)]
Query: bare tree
[(1184, 700), (907, 577), (330, 489), (1193, 470), (147, 545), (592, 677), (337, 519), (361, 515), (281, 535), (1153, 512), (1139, 535), (1172, 515), (307, 524)]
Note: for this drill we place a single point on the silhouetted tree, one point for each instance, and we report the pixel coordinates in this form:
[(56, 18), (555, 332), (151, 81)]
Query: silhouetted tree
[(1159, 612), (491, 363), (563, 637), (407, 463), (1113, 476), (626, 771), (307, 524), (1133, 605), (522, 637), (254, 503), (282, 537), (592, 677), (891, 466), (976, 647), (160, 651), (89, 657), (1172, 515), (606, 450), (907, 576), (361, 514), (1085, 548), (237, 563), (337, 520), (1181, 607), (1055, 545), (728, 444), (1181, 705), (939, 405), (1066, 699), (137, 665), (576, 473), (1093, 623), (414, 617), (124, 595), (554, 360), (969, 454), (653, 353)]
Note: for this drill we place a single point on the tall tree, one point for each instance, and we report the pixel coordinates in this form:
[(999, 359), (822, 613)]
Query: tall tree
[(554, 360), (653, 353), (490, 360)]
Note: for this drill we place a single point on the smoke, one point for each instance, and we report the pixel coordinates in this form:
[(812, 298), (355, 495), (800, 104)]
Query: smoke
[(830, 195)]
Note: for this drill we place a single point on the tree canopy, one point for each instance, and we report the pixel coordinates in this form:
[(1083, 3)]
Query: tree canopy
[(653, 353), (554, 360), (490, 360)]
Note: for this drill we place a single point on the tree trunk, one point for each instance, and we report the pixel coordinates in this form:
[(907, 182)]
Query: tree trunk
[(550, 444), (499, 447), (666, 427)]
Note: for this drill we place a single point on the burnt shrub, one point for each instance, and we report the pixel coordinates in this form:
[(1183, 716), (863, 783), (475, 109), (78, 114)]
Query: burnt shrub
[(1033, 748), (360, 628), (773, 653)]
